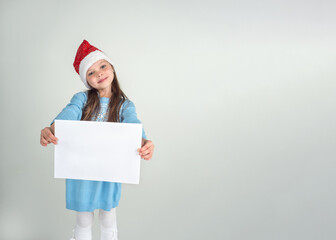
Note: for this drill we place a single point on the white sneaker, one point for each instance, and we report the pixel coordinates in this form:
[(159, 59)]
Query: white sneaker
[(113, 235)]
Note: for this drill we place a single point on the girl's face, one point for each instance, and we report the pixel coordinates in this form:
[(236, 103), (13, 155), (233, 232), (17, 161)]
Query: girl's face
[(100, 75)]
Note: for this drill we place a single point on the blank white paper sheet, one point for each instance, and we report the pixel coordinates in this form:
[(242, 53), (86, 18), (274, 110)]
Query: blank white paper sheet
[(100, 151)]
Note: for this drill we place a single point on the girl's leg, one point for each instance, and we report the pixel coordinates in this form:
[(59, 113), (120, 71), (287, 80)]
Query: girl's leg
[(108, 224), (83, 229)]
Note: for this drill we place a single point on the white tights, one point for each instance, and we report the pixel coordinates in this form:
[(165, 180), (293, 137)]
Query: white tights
[(108, 225)]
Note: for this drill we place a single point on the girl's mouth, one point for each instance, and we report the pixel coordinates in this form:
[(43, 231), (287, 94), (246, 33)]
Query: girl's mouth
[(102, 80)]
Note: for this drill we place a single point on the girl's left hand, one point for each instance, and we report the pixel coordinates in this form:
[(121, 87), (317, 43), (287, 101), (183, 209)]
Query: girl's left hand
[(147, 149)]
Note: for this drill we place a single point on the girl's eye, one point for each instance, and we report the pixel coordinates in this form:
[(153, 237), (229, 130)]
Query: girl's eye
[(103, 66), (90, 73)]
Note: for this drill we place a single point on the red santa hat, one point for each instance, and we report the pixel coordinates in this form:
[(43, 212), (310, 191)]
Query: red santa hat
[(86, 56)]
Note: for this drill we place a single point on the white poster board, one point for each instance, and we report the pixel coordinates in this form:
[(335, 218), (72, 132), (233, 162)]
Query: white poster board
[(101, 151)]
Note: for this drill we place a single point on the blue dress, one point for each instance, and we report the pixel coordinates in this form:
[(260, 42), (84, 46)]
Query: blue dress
[(88, 195)]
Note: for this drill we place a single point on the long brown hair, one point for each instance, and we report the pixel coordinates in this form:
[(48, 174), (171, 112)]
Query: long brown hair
[(92, 106)]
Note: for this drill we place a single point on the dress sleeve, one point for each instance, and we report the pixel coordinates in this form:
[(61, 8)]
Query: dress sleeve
[(73, 111), (128, 115)]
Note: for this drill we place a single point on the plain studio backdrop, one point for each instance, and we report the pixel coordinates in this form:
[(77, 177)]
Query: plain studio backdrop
[(237, 96)]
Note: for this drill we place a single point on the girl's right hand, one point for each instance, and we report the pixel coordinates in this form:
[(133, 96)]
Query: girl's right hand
[(47, 136)]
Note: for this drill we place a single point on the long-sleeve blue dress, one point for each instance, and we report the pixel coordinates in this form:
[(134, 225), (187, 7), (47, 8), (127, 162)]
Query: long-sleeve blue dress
[(88, 195)]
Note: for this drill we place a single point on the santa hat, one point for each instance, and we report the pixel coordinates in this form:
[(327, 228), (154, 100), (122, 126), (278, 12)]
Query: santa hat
[(86, 56)]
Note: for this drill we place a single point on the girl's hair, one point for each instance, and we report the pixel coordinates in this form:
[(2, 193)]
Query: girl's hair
[(92, 106)]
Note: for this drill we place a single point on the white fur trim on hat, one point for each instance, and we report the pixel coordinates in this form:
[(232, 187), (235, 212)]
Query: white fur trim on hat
[(88, 61)]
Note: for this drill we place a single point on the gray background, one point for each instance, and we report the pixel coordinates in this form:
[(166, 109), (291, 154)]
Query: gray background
[(237, 96)]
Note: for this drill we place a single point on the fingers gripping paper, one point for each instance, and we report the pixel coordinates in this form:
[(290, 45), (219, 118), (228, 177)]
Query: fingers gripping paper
[(101, 151)]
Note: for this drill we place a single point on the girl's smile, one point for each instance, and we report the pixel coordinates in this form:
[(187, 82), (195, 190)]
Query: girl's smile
[(102, 80)]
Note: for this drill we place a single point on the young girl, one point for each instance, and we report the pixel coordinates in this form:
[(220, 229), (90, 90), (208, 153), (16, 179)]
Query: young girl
[(104, 101)]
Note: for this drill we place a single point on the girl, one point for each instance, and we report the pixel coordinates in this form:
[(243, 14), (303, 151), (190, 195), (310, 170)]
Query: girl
[(104, 101)]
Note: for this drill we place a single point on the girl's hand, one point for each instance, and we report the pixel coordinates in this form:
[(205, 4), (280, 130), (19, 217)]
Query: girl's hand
[(147, 149), (47, 136)]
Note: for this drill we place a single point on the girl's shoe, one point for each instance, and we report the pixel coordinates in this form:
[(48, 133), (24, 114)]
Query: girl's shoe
[(113, 235)]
